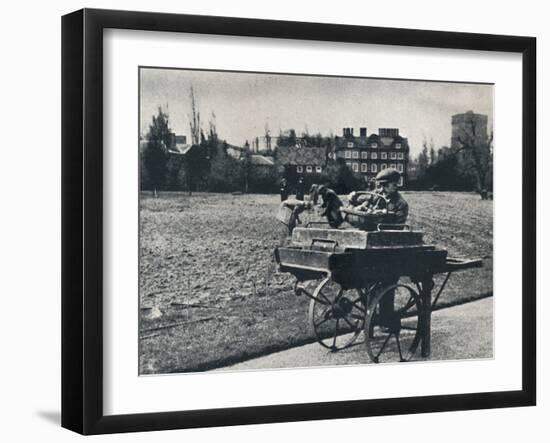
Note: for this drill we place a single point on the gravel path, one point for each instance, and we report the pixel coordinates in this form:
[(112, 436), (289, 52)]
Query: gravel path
[(460, 332)]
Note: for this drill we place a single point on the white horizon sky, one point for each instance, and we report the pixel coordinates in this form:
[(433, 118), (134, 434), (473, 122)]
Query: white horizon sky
[(244, 103)]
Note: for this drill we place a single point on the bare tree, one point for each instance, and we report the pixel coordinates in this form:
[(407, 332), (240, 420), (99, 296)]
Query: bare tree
[(267, 137), (246, 165), (433, 156), (212, 127), (194, 119), (423, 160)]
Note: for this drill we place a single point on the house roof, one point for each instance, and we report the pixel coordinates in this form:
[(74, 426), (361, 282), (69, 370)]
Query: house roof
[(365, 142), (261, 160), (181, 148), (301, 156)]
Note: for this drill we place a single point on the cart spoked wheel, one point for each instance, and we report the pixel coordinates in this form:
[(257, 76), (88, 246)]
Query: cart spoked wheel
[(392, 327), (337, 315)]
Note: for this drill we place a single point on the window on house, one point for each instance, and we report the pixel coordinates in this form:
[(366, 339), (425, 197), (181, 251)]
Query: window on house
[(355, 154), (347, 154), (398, 146), (348, 164), (318, 169), (350, 145), (393, 155), (374, 145), (373, 168), (364, 167), (384, 155), (309, 168), (355, 167), (400, 167), (383, 166), (374, 155), (400, 181), (393, 166), (400, 155), (299, 169), (364, 155)]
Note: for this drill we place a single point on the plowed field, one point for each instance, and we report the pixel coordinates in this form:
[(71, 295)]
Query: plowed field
[(210, 293)]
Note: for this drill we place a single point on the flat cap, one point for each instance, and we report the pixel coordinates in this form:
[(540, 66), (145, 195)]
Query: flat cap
[(388, 175)]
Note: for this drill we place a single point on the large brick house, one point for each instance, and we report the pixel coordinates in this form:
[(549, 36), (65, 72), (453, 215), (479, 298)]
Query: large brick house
[(370, 154)]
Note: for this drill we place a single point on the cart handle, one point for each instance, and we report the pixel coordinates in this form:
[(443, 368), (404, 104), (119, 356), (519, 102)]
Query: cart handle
[(324, 240), (388, 226), (458, 264)]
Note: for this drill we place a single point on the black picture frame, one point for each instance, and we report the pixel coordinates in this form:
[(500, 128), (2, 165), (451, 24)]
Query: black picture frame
[(82, 218)]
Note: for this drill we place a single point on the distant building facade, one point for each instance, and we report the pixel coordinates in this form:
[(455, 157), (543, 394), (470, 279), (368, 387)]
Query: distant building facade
[(369, 154), (301, 161), (468, 127)]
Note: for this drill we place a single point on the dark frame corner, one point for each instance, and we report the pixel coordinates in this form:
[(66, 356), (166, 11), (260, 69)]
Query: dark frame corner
[(82, 254)]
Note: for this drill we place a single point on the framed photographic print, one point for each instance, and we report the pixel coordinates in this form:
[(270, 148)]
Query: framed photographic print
[(270, 221)]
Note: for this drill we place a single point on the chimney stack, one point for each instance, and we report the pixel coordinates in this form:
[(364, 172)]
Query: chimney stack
[(388, 132), (348, 132)]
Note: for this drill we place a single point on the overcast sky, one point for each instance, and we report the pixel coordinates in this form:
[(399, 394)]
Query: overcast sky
[(244, 103)]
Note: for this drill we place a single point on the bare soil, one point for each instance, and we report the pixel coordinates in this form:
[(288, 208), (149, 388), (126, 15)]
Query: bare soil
[(210, 292)]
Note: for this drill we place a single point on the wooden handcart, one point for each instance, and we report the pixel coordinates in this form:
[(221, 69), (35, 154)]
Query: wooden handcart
[(377, 282)]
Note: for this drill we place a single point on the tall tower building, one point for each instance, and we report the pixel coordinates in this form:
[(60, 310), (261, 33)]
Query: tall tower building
[(469, 127)]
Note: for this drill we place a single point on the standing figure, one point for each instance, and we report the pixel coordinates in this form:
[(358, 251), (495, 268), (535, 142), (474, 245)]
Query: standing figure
[(396, 212), (284, 190), (300, 189)]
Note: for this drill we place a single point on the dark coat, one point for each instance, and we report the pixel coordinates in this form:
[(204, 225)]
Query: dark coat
[(398, 210), (331, 205)]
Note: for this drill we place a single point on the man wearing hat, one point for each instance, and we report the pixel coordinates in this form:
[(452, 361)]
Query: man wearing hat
[(397, 209), (386, 206)]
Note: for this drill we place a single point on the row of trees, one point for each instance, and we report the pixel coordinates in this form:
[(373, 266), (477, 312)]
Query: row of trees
[(468, 166), (206, 166), (305, 140)]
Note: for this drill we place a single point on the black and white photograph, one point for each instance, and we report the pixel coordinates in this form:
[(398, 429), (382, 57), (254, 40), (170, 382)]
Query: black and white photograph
[(272, 222), (296, 221)]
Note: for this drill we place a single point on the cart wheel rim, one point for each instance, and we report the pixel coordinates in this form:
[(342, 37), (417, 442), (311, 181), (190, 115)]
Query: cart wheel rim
[(336, 315), (393, 335)]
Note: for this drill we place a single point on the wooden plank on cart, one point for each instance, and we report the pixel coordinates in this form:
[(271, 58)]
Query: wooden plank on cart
[(307, 259), (355, 238), (376, 264)]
